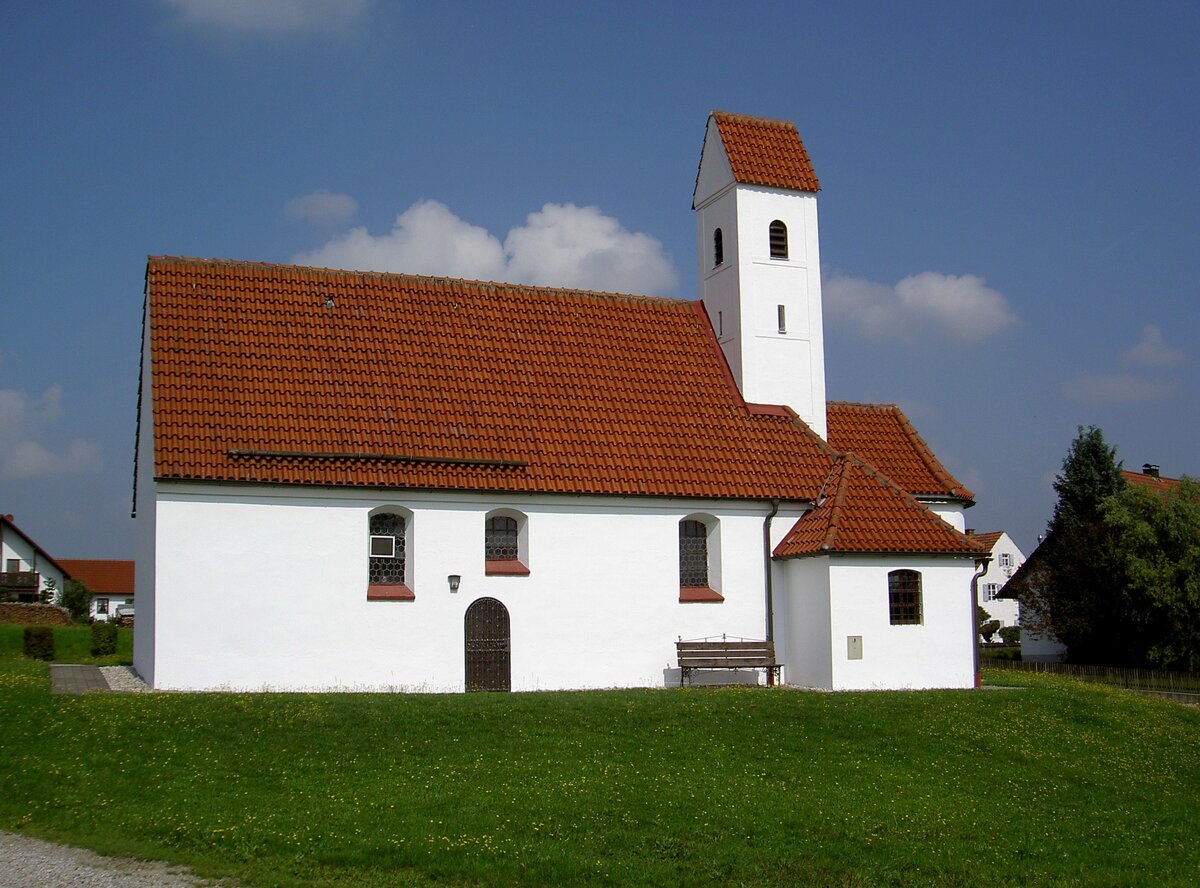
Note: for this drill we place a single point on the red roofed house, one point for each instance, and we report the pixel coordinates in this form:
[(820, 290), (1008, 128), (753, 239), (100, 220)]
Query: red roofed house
[(109, 581), (361, 480)]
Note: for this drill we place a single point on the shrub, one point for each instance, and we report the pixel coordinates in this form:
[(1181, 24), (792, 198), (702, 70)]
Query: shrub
[(104, 639), (39, 642), (988, 629), (1010, 634)]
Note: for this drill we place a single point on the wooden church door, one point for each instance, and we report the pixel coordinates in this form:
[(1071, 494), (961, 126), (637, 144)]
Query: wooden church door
[(489, 665)]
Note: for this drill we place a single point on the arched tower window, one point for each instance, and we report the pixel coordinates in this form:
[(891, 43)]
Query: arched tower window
[(718, 248), (779, 240)]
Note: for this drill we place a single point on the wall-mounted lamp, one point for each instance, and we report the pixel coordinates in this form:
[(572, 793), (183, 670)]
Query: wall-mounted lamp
[(454, 580)]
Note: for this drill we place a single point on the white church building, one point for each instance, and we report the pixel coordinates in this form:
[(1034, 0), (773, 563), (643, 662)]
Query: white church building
[(361, 481)]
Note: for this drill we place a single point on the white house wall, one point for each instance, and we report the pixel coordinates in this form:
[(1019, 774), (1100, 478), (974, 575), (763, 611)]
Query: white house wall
[(937, 653), (267, 588), (1006, 610)]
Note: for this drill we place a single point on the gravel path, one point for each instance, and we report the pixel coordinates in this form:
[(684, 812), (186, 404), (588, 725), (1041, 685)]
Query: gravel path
[(32, 863)]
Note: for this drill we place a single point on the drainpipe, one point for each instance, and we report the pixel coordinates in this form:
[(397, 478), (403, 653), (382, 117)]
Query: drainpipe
[(983, 566), (770, 590)]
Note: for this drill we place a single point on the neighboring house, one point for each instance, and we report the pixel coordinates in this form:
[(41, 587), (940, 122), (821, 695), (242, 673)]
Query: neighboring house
[(27, 572), (1006, 559), (1043, 646), (110, 582), (353, 480)]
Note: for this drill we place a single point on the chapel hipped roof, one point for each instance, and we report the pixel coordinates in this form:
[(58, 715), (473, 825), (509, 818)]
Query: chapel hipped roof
[(281, 374)]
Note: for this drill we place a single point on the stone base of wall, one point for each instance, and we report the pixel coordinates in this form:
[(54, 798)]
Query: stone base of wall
[(30, 614)]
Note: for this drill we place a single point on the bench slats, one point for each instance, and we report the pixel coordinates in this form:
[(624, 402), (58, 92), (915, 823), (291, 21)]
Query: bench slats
[(730, 655)]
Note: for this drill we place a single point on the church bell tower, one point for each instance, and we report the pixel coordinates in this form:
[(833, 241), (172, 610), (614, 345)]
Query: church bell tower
[(760, 262)]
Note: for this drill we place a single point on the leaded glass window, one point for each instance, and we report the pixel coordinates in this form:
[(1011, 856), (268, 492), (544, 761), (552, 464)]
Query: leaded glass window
[(693, 553), (904, 597), (500, 538), (387, 548)]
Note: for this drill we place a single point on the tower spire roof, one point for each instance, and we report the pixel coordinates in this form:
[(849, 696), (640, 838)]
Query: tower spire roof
[(765, 152)]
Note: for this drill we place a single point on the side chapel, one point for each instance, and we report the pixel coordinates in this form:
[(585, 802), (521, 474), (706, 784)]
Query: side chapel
[(351, 480)]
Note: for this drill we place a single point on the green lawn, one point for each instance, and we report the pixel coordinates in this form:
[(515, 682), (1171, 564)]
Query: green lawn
[(72, 644), (1056, 783)]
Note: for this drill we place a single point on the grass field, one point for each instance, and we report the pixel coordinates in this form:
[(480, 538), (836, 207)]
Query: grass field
[(72, 644), (1052, 784)]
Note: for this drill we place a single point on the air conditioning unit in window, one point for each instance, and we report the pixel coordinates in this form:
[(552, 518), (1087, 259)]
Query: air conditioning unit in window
[(383, 547)]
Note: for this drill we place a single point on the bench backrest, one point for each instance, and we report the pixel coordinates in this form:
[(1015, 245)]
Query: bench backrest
[(725, 654)]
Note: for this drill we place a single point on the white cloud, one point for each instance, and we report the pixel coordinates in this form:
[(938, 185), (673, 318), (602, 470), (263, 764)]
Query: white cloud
[(1115, 389), (322, 207), (1153, 351), (560, 245), (921, 308), (24, 423), (271, 16)]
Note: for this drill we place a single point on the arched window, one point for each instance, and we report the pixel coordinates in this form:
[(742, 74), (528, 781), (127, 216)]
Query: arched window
[(506, 543), (779, 244), (693, 553), (718, 248), (388, 563), (904, 597)]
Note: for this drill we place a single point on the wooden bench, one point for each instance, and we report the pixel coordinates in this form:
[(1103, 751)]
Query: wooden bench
[(726, 654)]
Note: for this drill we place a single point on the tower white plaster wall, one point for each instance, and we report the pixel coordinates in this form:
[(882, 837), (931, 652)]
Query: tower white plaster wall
[(774, 358)]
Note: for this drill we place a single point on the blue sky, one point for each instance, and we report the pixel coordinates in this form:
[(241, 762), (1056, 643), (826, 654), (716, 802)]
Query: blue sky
[(1010, 205)]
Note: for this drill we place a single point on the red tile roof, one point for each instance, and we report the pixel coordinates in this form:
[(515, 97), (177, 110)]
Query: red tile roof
[(102, 577), (862, 512), (987, 540), (882, 435), (766, 152), (1149, 482), (280, 374)]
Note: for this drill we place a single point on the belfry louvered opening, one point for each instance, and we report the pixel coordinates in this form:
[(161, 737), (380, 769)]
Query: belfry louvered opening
[(779, 240)]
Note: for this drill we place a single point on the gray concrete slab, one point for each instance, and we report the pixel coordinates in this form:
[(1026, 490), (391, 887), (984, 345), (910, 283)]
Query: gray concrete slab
[(66, 679)]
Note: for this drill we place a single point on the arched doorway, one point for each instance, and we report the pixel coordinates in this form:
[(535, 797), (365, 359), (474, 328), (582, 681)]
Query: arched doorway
[(486, 628)]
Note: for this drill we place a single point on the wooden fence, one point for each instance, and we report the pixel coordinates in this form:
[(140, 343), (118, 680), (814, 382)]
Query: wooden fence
[(1182, 686)]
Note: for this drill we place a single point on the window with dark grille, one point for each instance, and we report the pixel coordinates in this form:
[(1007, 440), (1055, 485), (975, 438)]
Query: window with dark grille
[(102, 605), (718, 248), (781, 315), (779, 245), (693, 553), (500, 538), (904, 597), (387, 536)]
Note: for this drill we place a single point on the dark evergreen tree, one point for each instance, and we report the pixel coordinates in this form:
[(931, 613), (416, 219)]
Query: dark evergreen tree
[(1083, 593)]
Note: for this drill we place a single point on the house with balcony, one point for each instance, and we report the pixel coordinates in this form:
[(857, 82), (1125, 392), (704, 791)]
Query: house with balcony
[(27, 572)]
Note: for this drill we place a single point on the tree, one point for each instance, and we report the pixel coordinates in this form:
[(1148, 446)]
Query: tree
[(1082, 599), (77, 599), (1157, 559)]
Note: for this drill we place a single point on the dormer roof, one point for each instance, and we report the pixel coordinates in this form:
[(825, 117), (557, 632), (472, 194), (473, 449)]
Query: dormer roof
[(860, 511)]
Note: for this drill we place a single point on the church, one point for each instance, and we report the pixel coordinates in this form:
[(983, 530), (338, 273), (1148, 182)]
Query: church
[(350, 480)]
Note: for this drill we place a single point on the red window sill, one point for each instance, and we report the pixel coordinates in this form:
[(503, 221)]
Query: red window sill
[(505, 567), (702, 594), (390, 592)]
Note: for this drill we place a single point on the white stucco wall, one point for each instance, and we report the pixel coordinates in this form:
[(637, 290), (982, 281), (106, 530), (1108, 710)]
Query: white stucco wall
[(803, 637), (938, 653), (267, 588)]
